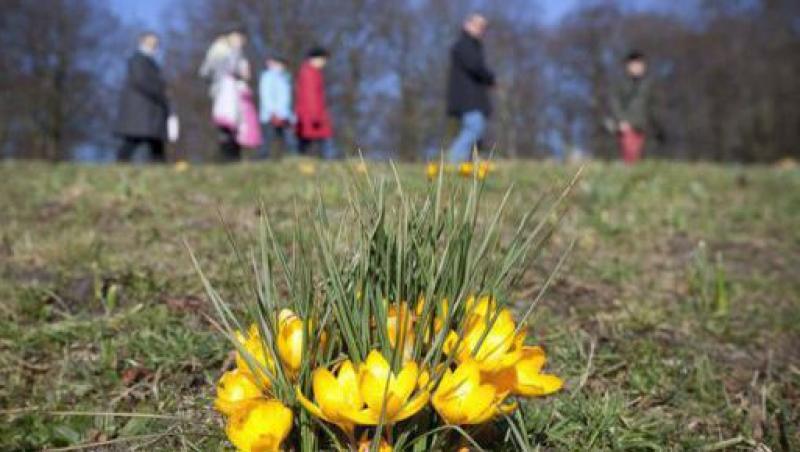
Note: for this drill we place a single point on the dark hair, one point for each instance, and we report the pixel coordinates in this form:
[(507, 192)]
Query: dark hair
[(318, 51), (635, 55), (279, 58)]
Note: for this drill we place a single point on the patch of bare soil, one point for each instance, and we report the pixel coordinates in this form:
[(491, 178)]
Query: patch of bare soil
[(568, 296), (764, 257)]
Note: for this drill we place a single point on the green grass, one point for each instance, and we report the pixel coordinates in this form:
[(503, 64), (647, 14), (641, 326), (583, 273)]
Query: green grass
[(675, 320)]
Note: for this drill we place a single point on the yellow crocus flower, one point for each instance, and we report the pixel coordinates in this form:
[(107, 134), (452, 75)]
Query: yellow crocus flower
[(260, 427), (361, 167), (500, 347), (337, 397), (387, 393), (235, 389), (479, 308), (525, 378), (400, 328), (462, 399), (181, 166), (432, 170), (467, 169), (439, 320), (307, 168), (290, 340), (255, 348)]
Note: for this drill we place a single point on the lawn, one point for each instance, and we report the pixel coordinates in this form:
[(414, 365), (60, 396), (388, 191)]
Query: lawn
[(675, 320)]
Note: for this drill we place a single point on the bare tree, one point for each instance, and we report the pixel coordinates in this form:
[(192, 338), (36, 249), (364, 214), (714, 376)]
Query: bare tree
[(56, 94)]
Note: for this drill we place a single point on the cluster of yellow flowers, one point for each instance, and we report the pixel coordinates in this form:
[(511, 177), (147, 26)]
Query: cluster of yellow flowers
[(485, 362), (257, 422), (465, 169)]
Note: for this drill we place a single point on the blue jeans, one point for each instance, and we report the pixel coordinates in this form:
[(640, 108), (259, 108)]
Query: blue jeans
[(327, 149), (473, 124)]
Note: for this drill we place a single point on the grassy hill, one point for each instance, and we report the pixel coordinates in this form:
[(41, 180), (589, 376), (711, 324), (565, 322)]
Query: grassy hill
[(675, 320)]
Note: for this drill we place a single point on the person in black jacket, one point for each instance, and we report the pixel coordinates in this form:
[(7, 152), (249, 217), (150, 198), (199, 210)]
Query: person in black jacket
[(143, 107), (468, 86)]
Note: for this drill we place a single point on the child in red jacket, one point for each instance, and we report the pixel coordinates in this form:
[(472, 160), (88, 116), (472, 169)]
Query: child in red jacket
[(314, 126)]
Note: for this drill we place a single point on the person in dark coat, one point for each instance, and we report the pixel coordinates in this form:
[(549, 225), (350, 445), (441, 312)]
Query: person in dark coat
[(631, 107), (143, 107), (314, 125), (469, 81)]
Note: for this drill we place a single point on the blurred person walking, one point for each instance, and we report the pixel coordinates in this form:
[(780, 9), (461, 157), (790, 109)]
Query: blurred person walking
[(143, 106), (469, 80), (314, 126), (631, 108), (275, 101), (233, 111)]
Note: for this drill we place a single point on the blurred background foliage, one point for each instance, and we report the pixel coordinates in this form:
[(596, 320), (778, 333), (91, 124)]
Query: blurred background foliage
[(726, 72)]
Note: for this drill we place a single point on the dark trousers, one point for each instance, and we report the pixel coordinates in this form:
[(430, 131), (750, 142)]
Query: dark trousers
[(130, 144), (229, 148), (322, 147), (284, 133)]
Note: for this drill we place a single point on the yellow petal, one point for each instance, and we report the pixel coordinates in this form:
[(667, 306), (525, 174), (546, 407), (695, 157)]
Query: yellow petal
[(348, 382), (234, 388), (255, 352), (406, 381), (413, 406), (261, 427), (466, 378), (386, 394), (373, 376), (479, 405), (327, 393), (450, 342), (290, 339), (423, 380), (453, 396), (310, 406), (495, 344), (534, 357), (539, 385)]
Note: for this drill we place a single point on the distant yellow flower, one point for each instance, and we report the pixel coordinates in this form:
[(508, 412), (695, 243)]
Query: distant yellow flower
[(337, 398), (234, 390), (365, 444), (432, 170), (360, 167), (260, 427), (181, 166), (387, 393), (481, 170), (462, 399), (525, 378), (307, 168), (290, 340), (255, 348)]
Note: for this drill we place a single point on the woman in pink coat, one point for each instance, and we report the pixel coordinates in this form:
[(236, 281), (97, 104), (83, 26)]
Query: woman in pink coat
[(314, 126)]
